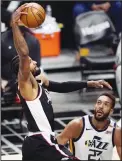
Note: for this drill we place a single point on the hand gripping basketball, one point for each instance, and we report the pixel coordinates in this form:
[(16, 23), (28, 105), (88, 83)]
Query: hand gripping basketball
[(35, 15), (17, 14)]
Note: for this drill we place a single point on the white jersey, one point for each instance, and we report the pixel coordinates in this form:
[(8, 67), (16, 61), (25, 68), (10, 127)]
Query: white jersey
[(94, 144)]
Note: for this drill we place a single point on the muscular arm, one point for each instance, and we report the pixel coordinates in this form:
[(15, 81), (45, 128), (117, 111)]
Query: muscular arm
[(23, 52), (65, 87), (71, 86), (27, 84), (72, 130), (118, 141), (61, 87)]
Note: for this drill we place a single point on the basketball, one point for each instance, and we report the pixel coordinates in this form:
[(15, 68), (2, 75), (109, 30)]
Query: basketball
[(35, 15)]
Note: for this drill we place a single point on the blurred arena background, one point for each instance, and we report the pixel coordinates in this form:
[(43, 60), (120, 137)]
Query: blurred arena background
[(65, 54)]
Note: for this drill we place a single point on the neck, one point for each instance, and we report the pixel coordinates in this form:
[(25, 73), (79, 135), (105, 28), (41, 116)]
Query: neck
[(100, 125)]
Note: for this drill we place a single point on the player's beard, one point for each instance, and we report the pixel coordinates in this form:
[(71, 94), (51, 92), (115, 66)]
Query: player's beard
[(36, 72), (103, 118)]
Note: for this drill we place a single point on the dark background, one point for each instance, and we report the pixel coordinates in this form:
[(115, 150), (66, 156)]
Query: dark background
[(62, 11)]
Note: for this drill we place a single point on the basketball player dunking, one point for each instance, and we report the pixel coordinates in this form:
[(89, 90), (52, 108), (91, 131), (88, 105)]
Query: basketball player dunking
[(40, 144), (93, 137)]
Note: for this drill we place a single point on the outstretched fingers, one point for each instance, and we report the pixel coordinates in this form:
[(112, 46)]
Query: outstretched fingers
[(103, 83)]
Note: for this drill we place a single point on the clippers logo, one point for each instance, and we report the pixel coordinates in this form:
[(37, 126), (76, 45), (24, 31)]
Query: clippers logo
[(95, 28)]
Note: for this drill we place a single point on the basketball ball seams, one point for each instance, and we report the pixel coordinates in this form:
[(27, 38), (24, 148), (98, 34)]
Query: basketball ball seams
[(42, 13), (39, 9), (34, 15), (40, 16)]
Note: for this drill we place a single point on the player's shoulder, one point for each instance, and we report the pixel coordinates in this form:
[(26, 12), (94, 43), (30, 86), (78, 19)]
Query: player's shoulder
[(77, 122), (112, 123)]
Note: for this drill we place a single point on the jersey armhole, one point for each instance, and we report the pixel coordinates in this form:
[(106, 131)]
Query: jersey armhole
[(113, 133), (38, 94), (76, 139)]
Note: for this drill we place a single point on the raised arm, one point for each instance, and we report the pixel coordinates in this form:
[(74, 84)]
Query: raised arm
[(118, 141), (71, 131), (27, 83)]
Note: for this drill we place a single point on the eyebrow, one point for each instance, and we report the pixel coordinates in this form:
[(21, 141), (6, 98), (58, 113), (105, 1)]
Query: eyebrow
[(105, 101)]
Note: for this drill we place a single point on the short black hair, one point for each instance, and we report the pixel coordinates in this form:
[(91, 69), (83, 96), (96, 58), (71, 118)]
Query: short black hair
[(111, 96), (15, 65)]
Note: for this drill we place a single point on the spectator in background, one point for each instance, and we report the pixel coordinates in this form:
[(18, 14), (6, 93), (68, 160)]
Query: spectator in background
[(8, 51), (7, 7), (113, 9)]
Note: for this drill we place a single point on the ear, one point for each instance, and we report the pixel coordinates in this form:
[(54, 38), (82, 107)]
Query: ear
[(111, 112)]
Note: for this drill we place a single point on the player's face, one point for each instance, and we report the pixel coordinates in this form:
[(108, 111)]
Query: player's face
[(33, 65), (103, 108)]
